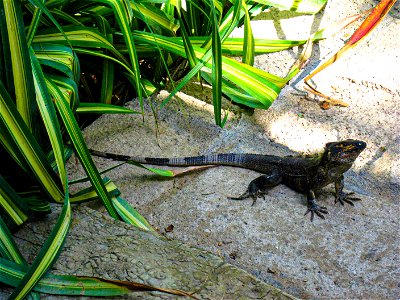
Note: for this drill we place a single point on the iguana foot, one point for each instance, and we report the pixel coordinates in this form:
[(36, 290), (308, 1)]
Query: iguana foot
[(259, 186), (344, 197), (314, 208), (254, 195)]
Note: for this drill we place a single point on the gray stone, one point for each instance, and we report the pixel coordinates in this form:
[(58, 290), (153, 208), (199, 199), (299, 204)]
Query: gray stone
[(100, 246)]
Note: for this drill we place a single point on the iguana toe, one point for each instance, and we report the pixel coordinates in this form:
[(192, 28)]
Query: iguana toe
[(316, 209), (344, 197)]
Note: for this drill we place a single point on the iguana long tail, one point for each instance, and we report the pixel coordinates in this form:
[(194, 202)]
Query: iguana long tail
[(249, 161)]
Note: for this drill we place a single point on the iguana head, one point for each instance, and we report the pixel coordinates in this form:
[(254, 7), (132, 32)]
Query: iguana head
[(343, 152)]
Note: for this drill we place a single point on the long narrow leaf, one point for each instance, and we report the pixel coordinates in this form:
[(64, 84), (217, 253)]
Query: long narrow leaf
[(11, 120), (48, 253), (261, 85), (248, 45), (130, 215), (81, 148), (101, 108), (6, 74), (154, 16), (107, 81), (90, 193), (78, 36), (123, 11), (24, 90), (9, 249), (68, 88), (11, 203), (58, 57), (191, 56), (11, 274), (34, 25), (49, 116), (216, 67)]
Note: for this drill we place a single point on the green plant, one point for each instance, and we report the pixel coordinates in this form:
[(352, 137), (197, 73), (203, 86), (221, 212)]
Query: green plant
[(44, 45)]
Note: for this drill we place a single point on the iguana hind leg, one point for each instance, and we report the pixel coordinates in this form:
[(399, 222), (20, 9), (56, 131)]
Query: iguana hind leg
[(259, 187)]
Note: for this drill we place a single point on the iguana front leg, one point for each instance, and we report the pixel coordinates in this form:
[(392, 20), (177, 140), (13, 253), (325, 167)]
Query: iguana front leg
[(313, 207), (259, 187), (341, 196)]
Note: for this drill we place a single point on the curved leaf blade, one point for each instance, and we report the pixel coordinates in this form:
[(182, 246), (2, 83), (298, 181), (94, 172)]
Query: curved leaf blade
[(49, 116), (28, 147), (81, 148), (48, 253), (102, 108), (24, 90)]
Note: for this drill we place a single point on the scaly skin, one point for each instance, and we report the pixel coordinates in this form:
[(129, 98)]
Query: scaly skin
[(305, 174)]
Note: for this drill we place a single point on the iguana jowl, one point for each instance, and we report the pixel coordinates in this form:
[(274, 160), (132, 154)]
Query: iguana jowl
[(306, 174)]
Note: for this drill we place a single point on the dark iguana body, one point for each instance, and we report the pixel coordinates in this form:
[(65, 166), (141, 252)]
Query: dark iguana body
[(305, 174)]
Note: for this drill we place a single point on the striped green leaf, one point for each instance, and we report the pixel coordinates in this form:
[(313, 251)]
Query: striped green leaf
[(161, 172), (123, 14), (107, 82), (101, 108), (154, 17), (130, 215), (231, 46), (262, 86), (28, 147), (79, 37), (11, 203), (21, 68), (47, 254), (90, 193), (228, 23), (9, 250), (8, 247), (6, 75), (11, 274), (37, 13), (58, 57), (12, 148), (37, 204), (248, 45), (216, 67), (68, 89), (81, 149), (49, 116)]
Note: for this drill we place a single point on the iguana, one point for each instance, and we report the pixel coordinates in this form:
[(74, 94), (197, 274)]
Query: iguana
[(306, 174)]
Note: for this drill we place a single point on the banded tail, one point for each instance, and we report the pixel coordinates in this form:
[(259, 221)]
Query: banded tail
[(256, 162), (227, 159)]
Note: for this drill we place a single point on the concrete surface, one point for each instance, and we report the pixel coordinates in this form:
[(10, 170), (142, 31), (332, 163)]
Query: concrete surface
[(354, 253), (102, 247)]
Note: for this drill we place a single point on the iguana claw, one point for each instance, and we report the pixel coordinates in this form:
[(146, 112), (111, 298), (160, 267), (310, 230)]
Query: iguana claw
[(316, 209), (344, 197), (254, 196)]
